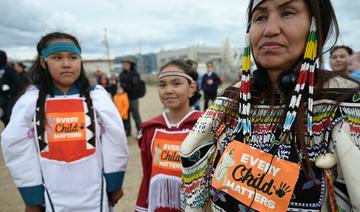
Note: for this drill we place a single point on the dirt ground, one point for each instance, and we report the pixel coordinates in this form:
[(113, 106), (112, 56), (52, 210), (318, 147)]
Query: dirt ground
[(150, 105)]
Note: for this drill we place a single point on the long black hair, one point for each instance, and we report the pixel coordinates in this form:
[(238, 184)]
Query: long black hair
[(42, 79)]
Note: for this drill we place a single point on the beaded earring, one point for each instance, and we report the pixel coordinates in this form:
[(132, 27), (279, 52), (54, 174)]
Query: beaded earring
[(306, 77)]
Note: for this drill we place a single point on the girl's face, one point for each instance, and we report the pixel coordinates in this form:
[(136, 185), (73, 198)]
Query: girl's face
[(64, 67), (175, 91), (278, 33), (120, 90), (339, 60)]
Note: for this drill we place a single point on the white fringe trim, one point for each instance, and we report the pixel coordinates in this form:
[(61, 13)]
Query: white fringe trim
[(164, 192), (140, 209)]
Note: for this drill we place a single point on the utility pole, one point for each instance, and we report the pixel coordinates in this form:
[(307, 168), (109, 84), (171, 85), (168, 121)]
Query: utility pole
[(106, 43), (141, 66)]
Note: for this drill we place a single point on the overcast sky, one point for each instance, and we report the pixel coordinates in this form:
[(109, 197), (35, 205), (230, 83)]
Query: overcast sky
[(139, 25)]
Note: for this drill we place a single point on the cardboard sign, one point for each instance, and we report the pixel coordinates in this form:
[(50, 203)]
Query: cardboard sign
[(165, 152), (66, 130), (243, 169)]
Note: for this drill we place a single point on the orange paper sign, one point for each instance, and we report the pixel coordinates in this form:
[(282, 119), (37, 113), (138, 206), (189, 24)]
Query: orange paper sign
[(242, 170), (165, 152), (66, 130), (66, 126)]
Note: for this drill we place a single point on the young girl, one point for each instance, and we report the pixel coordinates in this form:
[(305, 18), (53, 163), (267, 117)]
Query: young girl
[(161, 137), (65, 144), (121, 101)]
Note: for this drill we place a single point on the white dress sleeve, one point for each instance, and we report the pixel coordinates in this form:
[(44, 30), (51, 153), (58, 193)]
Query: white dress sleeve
[(113, 139), (20, 150)]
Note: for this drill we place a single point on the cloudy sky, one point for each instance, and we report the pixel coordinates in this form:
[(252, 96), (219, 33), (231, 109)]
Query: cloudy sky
[(139, 25)]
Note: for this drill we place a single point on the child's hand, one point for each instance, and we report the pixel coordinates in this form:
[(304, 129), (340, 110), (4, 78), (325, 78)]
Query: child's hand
[(115, 196), (37, 208)]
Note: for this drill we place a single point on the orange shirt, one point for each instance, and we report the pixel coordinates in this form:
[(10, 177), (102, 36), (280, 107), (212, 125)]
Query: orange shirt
[(122, 104)]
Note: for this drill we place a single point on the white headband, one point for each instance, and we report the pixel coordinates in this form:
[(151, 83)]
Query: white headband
[(174, 73), (255, 4)]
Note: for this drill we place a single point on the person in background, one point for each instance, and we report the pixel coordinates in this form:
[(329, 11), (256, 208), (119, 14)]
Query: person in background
[(198, 85), (291, 127), (128, 78), (23, 74), (210, 83), (121, 101), (113, 84), (10, 88), (65, 144), (339, 56), (102, 80), (105, 82), (98, 75), (160, 138), (354, 66)]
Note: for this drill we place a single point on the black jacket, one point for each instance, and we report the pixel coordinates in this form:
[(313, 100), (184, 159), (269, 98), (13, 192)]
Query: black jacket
[(10, 83), (128, 80), (210, 89)]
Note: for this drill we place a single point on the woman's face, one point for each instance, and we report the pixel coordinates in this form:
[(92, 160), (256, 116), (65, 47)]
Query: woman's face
[(175, 91), (64, 67), (339, 60), (278, 33)]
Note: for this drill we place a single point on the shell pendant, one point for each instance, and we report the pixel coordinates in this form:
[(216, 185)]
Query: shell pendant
[(325, 161)]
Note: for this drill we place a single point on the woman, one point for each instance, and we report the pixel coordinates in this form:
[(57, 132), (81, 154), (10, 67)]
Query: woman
[(339, 56), (292, 124)]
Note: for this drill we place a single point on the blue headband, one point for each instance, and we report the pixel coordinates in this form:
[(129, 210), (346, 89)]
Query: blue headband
[(60, 47)]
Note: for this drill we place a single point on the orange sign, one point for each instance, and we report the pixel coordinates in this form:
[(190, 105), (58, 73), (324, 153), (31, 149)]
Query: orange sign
[(242, 170), (165, 152), (66, 126), (66, 130)]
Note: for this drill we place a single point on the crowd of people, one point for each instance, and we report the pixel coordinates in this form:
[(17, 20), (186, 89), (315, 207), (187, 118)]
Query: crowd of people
[(13, 80), (283, 138), (125, 91)]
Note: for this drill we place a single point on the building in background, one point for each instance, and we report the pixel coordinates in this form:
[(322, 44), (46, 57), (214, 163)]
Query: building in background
[(226, 59), (91, 66), (145, 63), (200, 54)]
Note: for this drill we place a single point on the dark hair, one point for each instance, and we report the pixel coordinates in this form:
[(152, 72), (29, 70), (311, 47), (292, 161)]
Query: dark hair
[(325, 19), (3, 59), (41, 78), (189, 67), (347, 49), (131, 61), (21, 65)]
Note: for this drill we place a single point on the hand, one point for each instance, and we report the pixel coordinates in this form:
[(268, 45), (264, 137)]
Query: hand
[(115, 196), (210, 81), (36, 208)]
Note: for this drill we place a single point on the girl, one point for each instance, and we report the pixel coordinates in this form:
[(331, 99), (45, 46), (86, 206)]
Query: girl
[(160, 137), (121, 101), (65, 144), (294, 127)]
